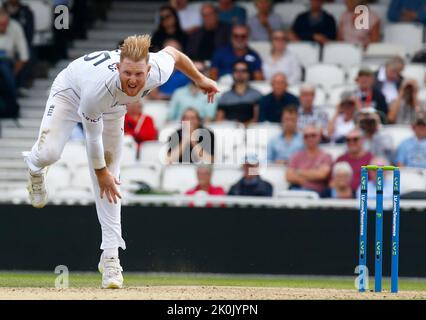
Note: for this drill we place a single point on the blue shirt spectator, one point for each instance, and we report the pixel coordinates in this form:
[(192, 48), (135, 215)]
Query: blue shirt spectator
[(272, 105), (407, 11), (231, 13), (264, 21), (176, 80)]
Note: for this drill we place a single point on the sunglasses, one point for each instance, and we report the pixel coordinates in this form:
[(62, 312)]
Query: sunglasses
[(240, 70), (310, 135), (239, 36), (354, 139), (279, 38)]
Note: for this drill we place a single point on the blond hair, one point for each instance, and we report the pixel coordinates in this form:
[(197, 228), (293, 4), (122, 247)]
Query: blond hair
[(136, 48)]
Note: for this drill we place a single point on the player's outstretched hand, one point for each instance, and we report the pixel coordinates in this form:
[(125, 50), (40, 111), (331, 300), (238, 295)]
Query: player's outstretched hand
[(209, 87), (108, 185)]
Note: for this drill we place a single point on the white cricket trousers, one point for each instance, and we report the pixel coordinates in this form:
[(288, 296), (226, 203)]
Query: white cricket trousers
[(59, 119)]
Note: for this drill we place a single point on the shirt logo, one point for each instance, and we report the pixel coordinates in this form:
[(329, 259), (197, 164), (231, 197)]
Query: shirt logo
[(90, 119)]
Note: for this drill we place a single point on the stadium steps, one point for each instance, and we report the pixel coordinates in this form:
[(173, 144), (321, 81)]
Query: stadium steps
[(22, 122), (21, 133), (13, 175)]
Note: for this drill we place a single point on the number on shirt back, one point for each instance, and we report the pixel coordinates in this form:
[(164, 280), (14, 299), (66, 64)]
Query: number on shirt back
[(105, 57)]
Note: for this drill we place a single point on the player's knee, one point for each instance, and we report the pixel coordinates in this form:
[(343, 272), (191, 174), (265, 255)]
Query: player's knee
[(49, 155)]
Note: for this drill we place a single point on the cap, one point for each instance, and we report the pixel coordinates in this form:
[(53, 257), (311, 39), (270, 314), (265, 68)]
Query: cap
[(420, 118)]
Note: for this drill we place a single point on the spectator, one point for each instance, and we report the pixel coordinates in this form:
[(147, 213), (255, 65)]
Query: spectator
[(356, 155), (264, 22), (272, 105), (389, 78), (349, 32), (282, 60), (139, 125), (403, 109), (191, 96), (282, 147), (412, 151), (192, 143), (369, 95), (407, 11), (309, 169), (372, 176), (377, 142), (310, 114), (314, 25), (13, 56), (340, 184), (251, 184), (169, 28), (177, 79), (343, 120), (241, 102), (224, 58), (231, 13), (212, 35), (204, 186), (189, 15)]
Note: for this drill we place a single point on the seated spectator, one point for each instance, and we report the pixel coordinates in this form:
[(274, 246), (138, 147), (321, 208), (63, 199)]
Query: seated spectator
[(412, 151), (231, 13), (139, 125), (241, 102), (191, 96), (192, 143), (204, 186), (309, 169), (264, 22), (389, 78), (340, 184), (212, 35), (314, 25), (356, 155), (189, 15), (310, 114), (348, 31), (377, 142), (177, 79), (403, 109), (13, 56), (224, 58), (272, 105), (343, 120), (169, 28), (372, 176), (251, 184), (407, 11), (282, 147), (370, 96), (282, 60)]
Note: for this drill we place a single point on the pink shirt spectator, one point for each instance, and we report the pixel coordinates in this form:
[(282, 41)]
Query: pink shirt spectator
[(353, 35), (356, 164), (302, 161)]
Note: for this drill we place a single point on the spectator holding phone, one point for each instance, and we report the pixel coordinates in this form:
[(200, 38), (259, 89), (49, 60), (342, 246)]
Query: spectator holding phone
[(403, 109)]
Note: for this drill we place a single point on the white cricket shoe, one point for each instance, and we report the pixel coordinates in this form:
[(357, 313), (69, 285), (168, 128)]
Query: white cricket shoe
[(37, 188), (111, 273)]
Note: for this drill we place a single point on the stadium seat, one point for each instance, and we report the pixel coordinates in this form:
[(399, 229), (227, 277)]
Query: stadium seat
[(398, 133), (261, 133), (335, 94), (415, 71), (298, 195), (335, 9), (334, 150), (249, 6), (226, 79), (289, 11), (157, 110), (422, 96), (408, 34), (58, 176), (128, 155), (148, 173), (81, 177), (342, 53), (167, 130), (179, 178), (153, 151), (73, 195), (325, 75), (307, 52), (380, 51), (412, 179), (320, 94), (263, 48), (73, 155), (264, 87), (275, 174), (226, 176)]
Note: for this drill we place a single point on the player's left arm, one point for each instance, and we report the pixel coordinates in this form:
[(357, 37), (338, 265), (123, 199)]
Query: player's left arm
[(186, 66)]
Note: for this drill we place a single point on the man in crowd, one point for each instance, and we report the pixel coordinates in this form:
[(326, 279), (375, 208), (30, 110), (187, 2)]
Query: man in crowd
[(224, 58), (282, 147), (264, 22), (309, 169), (340, 184), (231, 13), (271, 105), (389, 78), (407, 11)]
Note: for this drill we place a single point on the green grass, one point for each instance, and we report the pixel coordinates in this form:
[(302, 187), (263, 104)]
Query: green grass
[(79, 280)]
